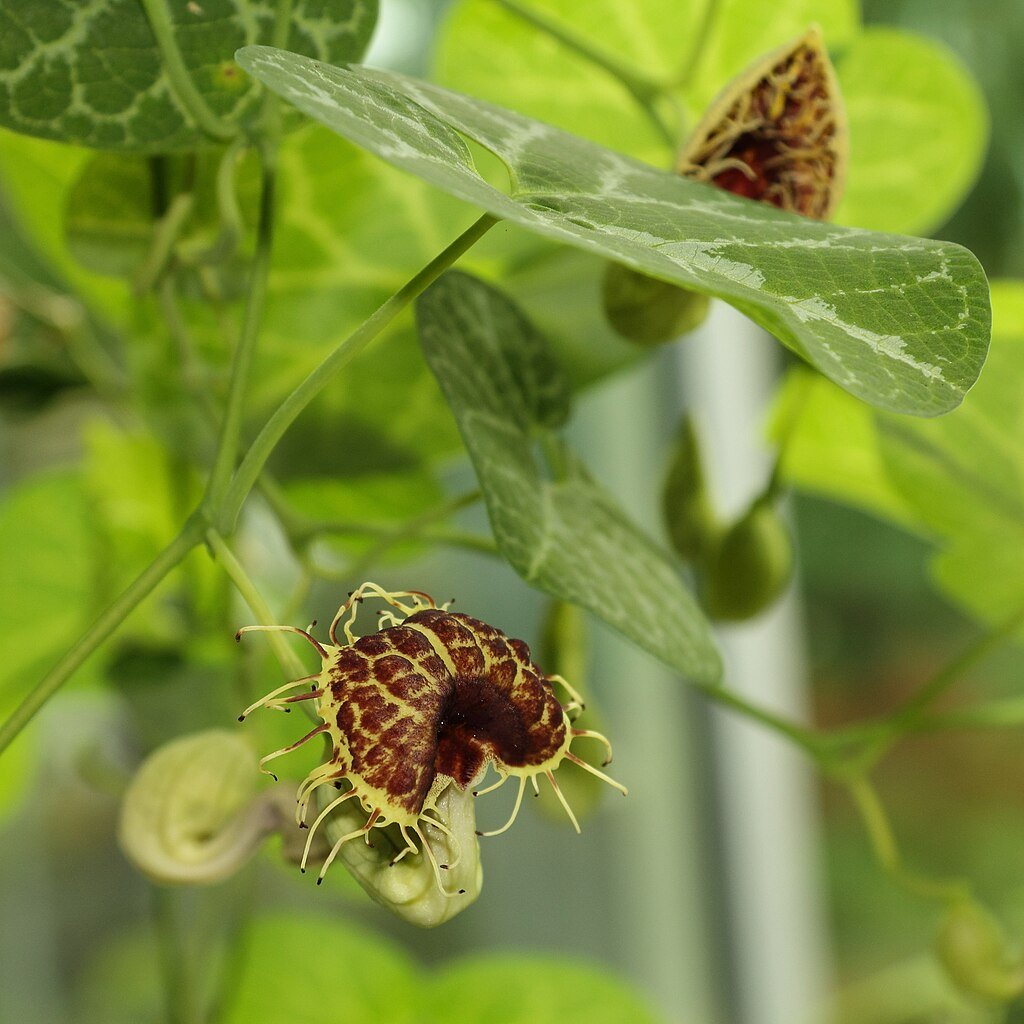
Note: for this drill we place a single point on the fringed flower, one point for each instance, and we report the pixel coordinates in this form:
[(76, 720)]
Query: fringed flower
[(426, 702)]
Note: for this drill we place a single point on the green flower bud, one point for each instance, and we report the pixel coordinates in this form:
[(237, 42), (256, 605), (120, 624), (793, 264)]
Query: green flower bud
[(973, 949), (647, 311), (191, 816), (686, 504), (751, 565), (408, 887)]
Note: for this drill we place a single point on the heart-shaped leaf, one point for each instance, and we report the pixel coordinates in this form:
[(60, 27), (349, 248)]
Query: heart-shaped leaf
[(902, 323), (92, 73), (566, 535)]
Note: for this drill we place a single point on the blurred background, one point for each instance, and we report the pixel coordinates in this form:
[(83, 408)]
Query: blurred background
[(733, 885)]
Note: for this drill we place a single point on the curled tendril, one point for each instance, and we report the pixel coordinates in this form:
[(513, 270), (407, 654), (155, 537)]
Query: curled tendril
[(191, 814)]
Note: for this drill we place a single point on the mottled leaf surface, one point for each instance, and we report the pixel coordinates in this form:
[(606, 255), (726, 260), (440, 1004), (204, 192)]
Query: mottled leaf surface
[(902, 323), (560, 531), (958, 480), (90, 71)]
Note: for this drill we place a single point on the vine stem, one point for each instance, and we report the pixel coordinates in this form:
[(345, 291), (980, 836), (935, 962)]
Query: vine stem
[(243, 583), (908, 714), (700, 42), (288, 411), (179, 990), (642, 89), (807, 739), (178, 74), (147, 581), (167, 232), (886, 849), (910, 717), (245, 349)]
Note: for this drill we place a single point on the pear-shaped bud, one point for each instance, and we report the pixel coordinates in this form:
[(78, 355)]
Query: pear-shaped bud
[(647, 311), (190, 815), (973, 949), (685, 502), (408, 887), (751, 566)]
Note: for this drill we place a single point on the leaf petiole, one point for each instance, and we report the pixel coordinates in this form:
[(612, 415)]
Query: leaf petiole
[(227, 509)]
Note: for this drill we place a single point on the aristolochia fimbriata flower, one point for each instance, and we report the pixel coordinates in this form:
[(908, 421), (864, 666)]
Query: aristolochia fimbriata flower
[(424, 704)]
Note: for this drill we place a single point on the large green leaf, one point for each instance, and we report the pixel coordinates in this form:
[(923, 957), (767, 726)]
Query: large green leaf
[(902, 323), (564, 535), (959, 480), (532, 990), (300, 969), (918, 129), (92, 72)]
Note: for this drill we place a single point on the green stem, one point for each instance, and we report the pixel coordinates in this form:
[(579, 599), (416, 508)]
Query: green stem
[(179, 995), (956, 669), (699, 44), (419, 527), (886, 849), (103, 627), (167, 233), (232, 224), (286, 414), (881, 735), (193, 373), (809, 740), (178, 75), (78, 328), (303, 530), (997, 714), (241, 365), (643, 90), (289, 660)]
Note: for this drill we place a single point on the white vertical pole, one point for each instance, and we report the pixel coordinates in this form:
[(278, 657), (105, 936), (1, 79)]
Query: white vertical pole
[(770, 832), (660, 850)]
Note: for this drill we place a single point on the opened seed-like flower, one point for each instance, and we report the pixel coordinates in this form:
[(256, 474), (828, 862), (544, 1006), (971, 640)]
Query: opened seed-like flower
[(777, 133), (426, 702)]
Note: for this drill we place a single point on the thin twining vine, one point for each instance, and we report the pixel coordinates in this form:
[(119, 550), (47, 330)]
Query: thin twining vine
[(223, 502), (647, 92)]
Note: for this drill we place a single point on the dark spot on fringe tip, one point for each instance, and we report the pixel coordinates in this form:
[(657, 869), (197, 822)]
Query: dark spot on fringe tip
[(475, 793), (604, 764), (241, 718), (319, 881), (313, 624), (337, 785), (443, 867), (287, 711), (302, 824), (302, 871), (461, 892), (478, 832), (274, 777), (238, 637)]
